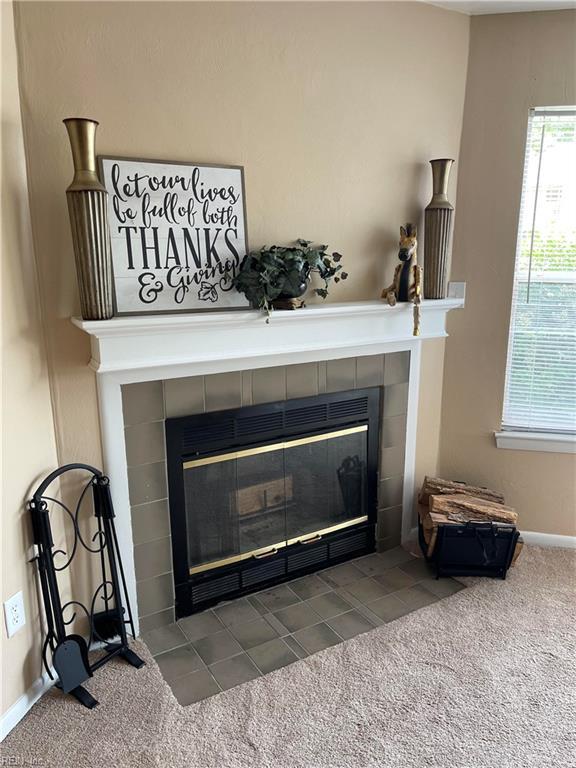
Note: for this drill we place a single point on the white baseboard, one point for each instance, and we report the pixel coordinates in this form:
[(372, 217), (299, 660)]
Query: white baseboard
[(22, 706), (549, 539)]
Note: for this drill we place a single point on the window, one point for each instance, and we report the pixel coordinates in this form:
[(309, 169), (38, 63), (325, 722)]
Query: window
[(540, 392)]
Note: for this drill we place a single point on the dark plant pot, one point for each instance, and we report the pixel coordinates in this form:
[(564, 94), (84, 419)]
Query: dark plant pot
[(295, 292), (290, 299)]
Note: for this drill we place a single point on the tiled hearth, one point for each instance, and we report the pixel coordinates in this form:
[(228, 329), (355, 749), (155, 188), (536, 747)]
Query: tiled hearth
[(238, 641)]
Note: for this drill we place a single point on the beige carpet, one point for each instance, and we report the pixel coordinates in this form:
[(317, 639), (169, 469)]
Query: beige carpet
[(486, 678)]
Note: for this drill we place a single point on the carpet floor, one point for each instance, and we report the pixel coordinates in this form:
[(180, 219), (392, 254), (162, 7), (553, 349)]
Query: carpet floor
[(483, 679)]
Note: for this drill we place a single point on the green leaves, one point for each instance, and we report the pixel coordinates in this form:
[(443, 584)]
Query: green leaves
[(272, 271)]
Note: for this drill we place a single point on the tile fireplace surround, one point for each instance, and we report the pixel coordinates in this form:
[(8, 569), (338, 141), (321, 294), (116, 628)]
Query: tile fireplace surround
[(151, 368)]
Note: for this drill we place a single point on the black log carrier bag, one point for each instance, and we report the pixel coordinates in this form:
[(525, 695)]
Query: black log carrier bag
[(472, 549)]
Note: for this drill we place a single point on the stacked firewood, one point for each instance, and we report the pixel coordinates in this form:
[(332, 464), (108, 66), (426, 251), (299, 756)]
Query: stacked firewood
[(446, 502)]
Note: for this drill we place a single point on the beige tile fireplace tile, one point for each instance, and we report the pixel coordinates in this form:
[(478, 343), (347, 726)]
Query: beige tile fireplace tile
[(222, 391), (393, 431), (277, 598), (297, 616), (156, 620), (366, 590), (389, 608), (179, 662), (246, 388), (216, 647), (153, 558), (383, 545), (272, 655), (142, 402), (442, 587), (397, 367), (395, 399), (418, 569), (317, 638), (147, 483), (145, 443), (252, 633), (322, 366), (328, 605), (392, 461), (268, 385), (309, 586), (372, 565), (395, 579), (150, 521), (164, 639), (302, 380), (234, 671), (369, 371), (341, 575), (417, 596), (295, 647), (183, 397), (236, 612), (340, 374), (390, 492), (396, 557), (155, 594), (194, 687), (200, 625), (350, 624), (389, 523)]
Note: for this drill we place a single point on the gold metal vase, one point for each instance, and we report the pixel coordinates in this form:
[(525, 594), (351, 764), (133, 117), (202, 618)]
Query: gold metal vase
[(438, 220), (87, 201)]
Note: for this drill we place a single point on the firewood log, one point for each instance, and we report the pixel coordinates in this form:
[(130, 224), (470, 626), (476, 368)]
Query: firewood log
[(434, 486), (458, 508), (517, 550)]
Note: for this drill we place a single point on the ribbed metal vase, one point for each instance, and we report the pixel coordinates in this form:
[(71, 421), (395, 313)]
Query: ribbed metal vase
[(87, 199), (437, 231)]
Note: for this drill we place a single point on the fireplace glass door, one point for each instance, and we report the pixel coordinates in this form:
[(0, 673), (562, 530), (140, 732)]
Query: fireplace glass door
[(251, 503)]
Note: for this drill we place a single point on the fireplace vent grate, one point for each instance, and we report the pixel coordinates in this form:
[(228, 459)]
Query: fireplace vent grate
[(348, 545), (207, 432), (308, 558), (315, 414), (255, 425), (345, 408), (262, 573), (200, 435), (215, 588)]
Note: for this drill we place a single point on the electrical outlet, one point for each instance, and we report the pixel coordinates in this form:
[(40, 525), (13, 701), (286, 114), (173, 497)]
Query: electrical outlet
[(14, 613)]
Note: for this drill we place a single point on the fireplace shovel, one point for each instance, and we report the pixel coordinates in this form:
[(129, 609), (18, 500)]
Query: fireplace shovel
[(70, 660)]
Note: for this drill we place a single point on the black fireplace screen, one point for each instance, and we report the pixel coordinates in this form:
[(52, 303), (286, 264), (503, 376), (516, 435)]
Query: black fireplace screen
[(264, 493), (253, 502)]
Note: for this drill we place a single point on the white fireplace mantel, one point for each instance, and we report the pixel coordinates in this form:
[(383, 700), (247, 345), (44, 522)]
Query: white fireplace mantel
[(227, 340), (131, 349)]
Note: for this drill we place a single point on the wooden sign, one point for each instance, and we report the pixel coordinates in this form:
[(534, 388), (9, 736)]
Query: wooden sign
[(178, 234)]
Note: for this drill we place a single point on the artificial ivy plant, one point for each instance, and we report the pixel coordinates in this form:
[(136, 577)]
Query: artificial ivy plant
[(279, 272)]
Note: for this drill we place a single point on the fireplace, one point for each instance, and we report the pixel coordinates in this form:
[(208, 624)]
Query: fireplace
[(262, 494)]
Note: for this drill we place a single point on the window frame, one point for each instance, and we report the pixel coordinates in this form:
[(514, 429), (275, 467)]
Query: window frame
[(520, 438)]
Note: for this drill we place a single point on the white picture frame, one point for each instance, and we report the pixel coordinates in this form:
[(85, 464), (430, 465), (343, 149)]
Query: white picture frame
[(178, 234)]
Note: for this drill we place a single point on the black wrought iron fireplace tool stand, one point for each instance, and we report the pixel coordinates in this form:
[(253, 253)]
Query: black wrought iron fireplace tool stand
[(109, 612)]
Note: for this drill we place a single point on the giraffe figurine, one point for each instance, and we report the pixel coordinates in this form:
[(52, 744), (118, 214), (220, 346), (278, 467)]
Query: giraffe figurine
[(407, 283)]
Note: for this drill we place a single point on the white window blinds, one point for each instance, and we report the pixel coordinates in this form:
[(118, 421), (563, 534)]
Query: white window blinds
[(540, 392)]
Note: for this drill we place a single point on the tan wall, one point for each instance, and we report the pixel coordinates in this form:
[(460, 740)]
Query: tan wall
[(517, 61), (28, 448), (333, 109), (323, 104)]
